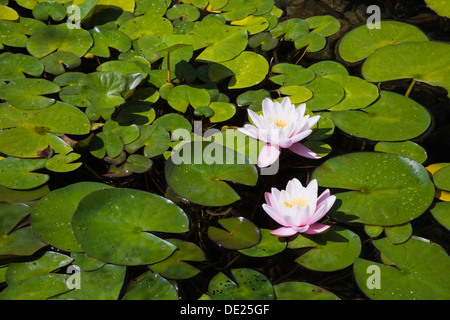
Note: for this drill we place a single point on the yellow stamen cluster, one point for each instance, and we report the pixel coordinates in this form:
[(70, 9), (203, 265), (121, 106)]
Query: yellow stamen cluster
[(296, 202), (280, 123)]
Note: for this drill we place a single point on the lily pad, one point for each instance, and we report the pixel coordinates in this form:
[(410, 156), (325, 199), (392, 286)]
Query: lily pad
[(220, 42), (263, 39), (330, 251), (358, 93), (325, 94), (146, 25), (29, 93), (106, 37), (361, 42), (58, 37), (21, 242), (103, 89), (291, 29), (269, 245), (176, 267), (253, 99), (393, 117), (440, 6), (15, 66), (49, 286), (63, 162), (244, 284), (325, 25), (115, 225), (441, 212), (253, 24), (57, 62), (387, 189), (7, 13), (15, 34), (197, 168), (425, 61), (240, 233), (52, 215), (180, 97), (154, 139), (407, 279), (297, 94), (441, 178), (327, 67), (11, 214), (407, 149), (238, 9), (291, 74), (18, 173), (21, 196), (293, 290), (222, 111), (398, 234), (172, 122), (50, 9), (150, 286), (183, 12), (136, 112)]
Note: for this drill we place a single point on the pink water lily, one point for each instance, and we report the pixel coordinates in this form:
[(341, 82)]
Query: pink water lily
[(298, 208), (281, 125)]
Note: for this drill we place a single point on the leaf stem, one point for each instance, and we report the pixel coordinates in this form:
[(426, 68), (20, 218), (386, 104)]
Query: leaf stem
[(410, 87)]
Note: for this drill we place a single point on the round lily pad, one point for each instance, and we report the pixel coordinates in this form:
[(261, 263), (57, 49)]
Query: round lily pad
[(16, 33), (63, 162), (199, 167), (325, 25), (57, 62), (176, 266), (393, 117), (293, 290), (145, 25), (106, 37), (398, 234), (416, 274), (52, 215), (240, 233), (441, 212), (222, 111), (115, 225), (291, 74), (327, 67), (361, 42), (269, 245), (154, 139), (440, 6), (387, 189), (332, 250), (150, 286), (172, 122), (180, 97), (358, 93), (325, 94), (407, 149), (441, 178), (425, 61), (58, 37), (297, 94), (45, 10), (18, 173), (15, 66), (253, 24), (245, 284), (103, 89)]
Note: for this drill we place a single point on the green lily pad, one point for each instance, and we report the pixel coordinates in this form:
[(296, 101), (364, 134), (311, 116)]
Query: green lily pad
[(70, 91), (439, 6), (11, 214), (297, 94), (407, 149), (324, 127), (15, 66), (106, 143), (172, 122), (222, 111), (291, 74), (157, 7), (106, 37), (244, 284), (269, 245), (263, 39), (332, 250), (290, 29), (253, 24), (21, 196), (21, 242), (253, 99), (220, 42), (373, 231), (408, 279), (361, 42), (312, 41), (52, 214), (327, 67), (122, 68), (115, 225), (136, 112), (146, 25), (7, 13), (293, 290), (58, 37), (18, 173), (49, 286), (102, 284), (63, 162), (103, 89), (49, 262), (150, 286), (441, 178), (51, 9), (240, 233), (29, 93), (398, 234), (387, 189), (15, 34), (57, 62), (154, 139), (204, 111), (393, 117), (180, 97), (85, 262), (193, 171), (176, 267), (238, 9), (358, 93), (183, 12), (30, 131), (324, 25), (441, 212), (425, 61), (325, 94)]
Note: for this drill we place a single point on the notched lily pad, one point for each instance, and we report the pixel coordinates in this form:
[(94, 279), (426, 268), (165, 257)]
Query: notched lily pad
[(240, 233)]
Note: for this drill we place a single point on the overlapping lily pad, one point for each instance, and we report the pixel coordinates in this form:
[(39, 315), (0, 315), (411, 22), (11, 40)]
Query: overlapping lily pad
[(292, 290), (197, 168), (240, 233), (116, 225), (387, 189), (15, 66)]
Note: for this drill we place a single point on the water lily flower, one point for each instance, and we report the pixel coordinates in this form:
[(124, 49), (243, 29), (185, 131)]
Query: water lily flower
[(281, 125), (298, 208)]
